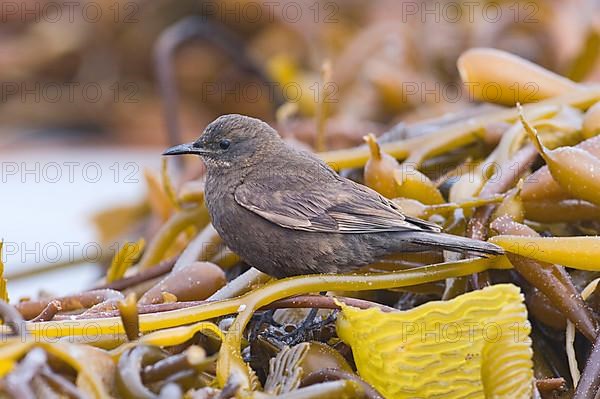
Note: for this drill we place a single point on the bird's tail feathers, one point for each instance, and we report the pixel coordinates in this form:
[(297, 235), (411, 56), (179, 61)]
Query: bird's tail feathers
[(456, 243)]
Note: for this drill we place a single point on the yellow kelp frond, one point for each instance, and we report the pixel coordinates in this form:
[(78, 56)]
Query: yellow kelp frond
[(480, 67), (476, 345), (173, 336), (3, 290), (177, 335), (167, 184), (125, 257), (159, 201), (581, 252)]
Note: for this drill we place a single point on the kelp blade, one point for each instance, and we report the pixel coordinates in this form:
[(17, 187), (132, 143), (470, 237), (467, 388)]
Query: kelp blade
[(476, 345)]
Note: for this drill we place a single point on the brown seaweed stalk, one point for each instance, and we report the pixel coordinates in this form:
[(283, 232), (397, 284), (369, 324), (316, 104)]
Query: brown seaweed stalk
[(87, 299), (129, 317), (550, 279), (589, 384), (504, 178), (194, 358), (49, 311)]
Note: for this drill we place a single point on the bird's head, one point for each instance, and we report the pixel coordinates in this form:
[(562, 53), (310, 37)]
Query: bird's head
[(230, 139)]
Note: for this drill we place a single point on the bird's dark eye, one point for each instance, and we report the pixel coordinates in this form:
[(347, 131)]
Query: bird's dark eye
[(224, 144)]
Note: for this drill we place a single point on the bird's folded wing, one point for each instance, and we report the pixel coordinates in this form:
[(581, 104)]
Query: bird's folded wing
[(347, 209)]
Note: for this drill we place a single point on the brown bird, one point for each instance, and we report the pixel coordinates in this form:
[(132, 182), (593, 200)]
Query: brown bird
[(286, 212)]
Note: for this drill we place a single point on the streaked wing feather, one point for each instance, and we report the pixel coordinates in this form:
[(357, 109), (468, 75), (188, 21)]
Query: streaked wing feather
[(344, 208)]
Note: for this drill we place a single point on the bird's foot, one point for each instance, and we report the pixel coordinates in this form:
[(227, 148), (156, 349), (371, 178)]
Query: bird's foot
[(312, 329), (260, 319)]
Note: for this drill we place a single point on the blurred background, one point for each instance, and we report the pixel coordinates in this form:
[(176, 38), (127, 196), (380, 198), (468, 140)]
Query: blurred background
[(92, 91)]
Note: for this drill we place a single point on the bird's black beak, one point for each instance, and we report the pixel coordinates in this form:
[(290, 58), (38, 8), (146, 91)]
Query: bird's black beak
[(188, 148)]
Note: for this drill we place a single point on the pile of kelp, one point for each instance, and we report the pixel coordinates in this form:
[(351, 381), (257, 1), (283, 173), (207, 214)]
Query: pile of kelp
[(178, 314)]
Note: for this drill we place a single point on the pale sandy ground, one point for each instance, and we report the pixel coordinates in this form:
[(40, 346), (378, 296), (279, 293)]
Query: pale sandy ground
[(45, 216)]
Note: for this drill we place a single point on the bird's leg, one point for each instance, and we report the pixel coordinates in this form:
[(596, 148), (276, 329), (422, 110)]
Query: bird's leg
[(297, 335), (263, 318)]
